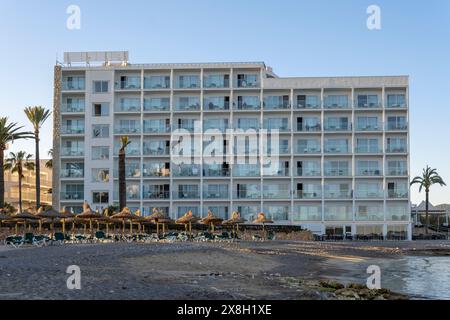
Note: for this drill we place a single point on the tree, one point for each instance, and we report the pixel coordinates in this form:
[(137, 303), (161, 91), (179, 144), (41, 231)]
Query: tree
[(16, 163), (37, 116), (49, 163), (124, 142), (429, 177), (9, 131)]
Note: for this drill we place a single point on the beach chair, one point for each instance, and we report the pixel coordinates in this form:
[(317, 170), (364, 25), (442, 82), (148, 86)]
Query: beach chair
[(14, 241), (59, 238), (100, 236)]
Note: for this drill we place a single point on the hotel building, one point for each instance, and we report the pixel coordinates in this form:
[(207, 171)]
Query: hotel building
[(343, 142)]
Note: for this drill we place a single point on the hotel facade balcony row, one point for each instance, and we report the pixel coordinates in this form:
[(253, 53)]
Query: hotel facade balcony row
[(343, 148)]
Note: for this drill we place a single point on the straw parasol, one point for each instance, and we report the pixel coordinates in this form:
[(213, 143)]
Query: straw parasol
[(64, 215), (159, 217), (3, 217), (23, 216), (235, 220), (89, 215), (123, 215), (262, 219), (211, 220), (188, 219), (48, 214)]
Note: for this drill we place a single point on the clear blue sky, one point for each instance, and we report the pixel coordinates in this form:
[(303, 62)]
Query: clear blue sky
[(296, 38)]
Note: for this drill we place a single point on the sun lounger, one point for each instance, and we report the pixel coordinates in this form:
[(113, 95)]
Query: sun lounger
[(14, 241)]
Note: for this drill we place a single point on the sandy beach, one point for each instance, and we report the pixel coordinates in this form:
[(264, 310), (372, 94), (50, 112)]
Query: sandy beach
[(244, 270)]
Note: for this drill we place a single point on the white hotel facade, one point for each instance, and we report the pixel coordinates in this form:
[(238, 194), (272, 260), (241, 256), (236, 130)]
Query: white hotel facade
[(343, 151)]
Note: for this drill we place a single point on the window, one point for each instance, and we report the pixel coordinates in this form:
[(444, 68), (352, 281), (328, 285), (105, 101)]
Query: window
[(100, 175), (100, 197), (100, 131), (100, 153), (100, 110), (100, 86)]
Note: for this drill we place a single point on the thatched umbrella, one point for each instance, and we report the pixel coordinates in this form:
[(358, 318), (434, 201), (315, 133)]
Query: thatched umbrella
[(263, 220), (211, 220), (188, 219), (159, 218), (89, 215), (23, 216), (123, 215), (139, 219), (66, 214), (235, 220), (48, 214), (4, 217)]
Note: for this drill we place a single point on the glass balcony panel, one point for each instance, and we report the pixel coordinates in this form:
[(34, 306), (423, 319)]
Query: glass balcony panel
[(336, 102), (128, 83), (397, 123), (216, 81), (217, 124), (246, 170), (156, 104), (72, 129), (369, 213), (337, 124), (307, 213), (157, 82), (72, 195), (212, 170), (309, 124), (276, 103), (73, 106), (368, 101), (338, 213), (248, 80), (396, 101), (336, 146), (216, 192), (187, 103), (308, 102), (188, 82), (73, 83), (156, 126), (156, 148), (156, 192), (280, 124), (216, 103), (248, 103), (186, 171), (248, 191), (127, 127), (368, 124), (156, 169), (72, 173), (72, 151), (128, 105)]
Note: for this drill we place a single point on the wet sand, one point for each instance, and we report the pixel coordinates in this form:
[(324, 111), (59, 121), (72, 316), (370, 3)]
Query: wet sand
[(244, 270)]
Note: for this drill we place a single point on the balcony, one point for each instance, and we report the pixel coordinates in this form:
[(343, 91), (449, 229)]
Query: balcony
[(337, 172), (336, 149), (73, 107), (131, 150), (308, 172), (364, 194), (274, 193), (215, 172), (336, 102), (72, 129), (336, 127), (369, 172), (338, 195), (191, 105), (127, 130), (72, 173), (312, 127), (305, 149), (155, 127), (368, 127), (157, 104), (308, 102), (367, 102), (276, 103), (72, 196), (215, 194), (186, 195), (132, 83), (131, 105), (308, 195), (130, 172), (246, 171), (188, 82), (210, 124), (397, 172), (216, 104), (396, 149), (76, 84), (157, 82), (72, 152), (154, 193), (216, 81), (247, 195), (248, 81), (186, 171), (397, 127), (249, 105), (158, 171), (397, 194), (366, 149), (155, 150)]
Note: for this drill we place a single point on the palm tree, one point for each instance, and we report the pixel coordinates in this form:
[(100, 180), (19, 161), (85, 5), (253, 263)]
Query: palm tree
[(49, 163), (428, 178), (9, 131), (37, 116), (17, 162), (124, 142)]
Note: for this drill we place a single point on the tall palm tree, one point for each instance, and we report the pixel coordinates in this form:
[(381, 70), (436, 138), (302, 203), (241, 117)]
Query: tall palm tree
[(37, 116), (428, 178), (9, 131), (124, 142), (49, 163), (17, 162)]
